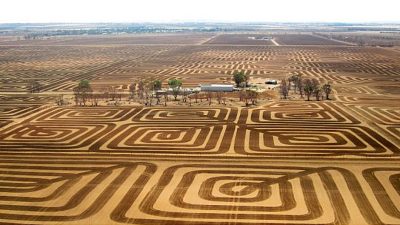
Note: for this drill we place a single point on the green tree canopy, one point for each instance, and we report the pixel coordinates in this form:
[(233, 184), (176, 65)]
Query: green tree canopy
[(84, 84), (239, 77), (175, 83), (157, 84)]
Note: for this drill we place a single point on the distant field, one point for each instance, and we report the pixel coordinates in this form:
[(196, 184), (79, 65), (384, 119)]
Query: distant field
[(282, 39), (117, 40), (240, 39), (59, 67), (7, 38), (366, 38), (303, 39)]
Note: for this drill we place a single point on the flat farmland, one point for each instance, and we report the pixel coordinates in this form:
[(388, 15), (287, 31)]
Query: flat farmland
[(240, 39), (265, 39), (128, 39), (304, 39), (281, 162)]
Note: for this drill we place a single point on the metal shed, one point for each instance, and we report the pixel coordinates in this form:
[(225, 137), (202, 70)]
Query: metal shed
[(217, 87)]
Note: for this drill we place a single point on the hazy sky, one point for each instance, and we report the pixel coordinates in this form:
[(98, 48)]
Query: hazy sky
[(199, 10)]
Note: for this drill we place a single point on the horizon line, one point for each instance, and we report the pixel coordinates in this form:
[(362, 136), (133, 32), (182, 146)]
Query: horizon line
[(211, 22)]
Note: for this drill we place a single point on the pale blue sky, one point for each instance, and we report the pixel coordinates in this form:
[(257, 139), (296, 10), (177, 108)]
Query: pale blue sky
[(199, 10)]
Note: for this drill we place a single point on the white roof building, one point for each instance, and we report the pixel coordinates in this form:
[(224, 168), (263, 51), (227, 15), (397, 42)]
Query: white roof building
[(217, 87)]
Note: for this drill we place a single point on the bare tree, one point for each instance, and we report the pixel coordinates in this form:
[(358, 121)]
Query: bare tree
[(141, 89), (132, 90), (327, 88), (284, 89), (219, 97), (158, 97), (289, 84), (292, 79), (184, 95), (34, 86), (95, 99), (60, 100), (308, 88), (196, 96), (241, 95), (299, 84), (318, 92), (209, 97), (165, 99), (112, 93), (246, 79), (316, 88), (82, 92), (148, 91), (252, 95), (296, 80)]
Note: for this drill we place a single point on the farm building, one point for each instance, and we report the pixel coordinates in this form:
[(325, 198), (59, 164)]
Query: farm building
[(274, 82), (217, 87)]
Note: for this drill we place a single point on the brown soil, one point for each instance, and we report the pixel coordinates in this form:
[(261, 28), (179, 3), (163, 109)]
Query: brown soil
[(278, 162)]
